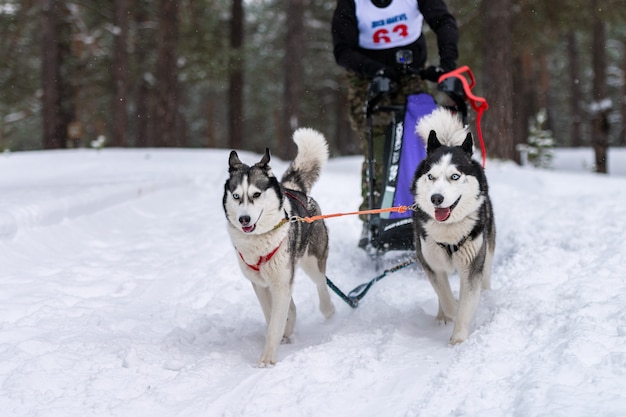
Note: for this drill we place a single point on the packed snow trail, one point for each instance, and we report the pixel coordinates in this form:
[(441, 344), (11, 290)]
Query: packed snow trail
[(120, 295)]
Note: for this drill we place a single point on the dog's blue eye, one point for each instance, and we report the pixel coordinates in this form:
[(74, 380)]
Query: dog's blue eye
[(236, 196), (430, 177), (455, 177)]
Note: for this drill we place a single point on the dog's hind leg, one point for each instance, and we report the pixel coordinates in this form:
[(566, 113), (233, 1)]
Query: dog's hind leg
[(316, 270), (486, 281), (291, 322), (441, 316)]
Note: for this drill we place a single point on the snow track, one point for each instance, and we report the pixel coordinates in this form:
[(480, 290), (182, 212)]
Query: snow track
[(120, 295)]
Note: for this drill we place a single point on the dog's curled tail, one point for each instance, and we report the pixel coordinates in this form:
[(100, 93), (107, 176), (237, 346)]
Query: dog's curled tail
[(447, 125), (312, 155)]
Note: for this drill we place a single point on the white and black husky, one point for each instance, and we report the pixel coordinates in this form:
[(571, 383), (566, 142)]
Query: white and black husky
[(269, 247), (453, 222)]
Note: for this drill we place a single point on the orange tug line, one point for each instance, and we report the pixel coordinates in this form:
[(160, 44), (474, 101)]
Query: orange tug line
[(398, 209)]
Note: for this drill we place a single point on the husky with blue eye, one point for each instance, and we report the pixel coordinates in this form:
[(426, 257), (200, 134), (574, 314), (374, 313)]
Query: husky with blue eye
[(269, 247), (453, 222)]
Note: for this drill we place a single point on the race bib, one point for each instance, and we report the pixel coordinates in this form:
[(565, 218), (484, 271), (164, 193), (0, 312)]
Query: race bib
[(398, 24)]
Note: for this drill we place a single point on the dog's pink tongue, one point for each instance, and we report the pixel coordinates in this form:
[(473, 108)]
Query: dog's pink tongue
[(442, 214)]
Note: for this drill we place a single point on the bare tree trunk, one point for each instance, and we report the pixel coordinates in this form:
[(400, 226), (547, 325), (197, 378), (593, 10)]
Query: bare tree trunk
[(524, 81), (574, 73), (622, 136), (143, 116), (235, 91), (210, 118), (344, 140), (498, 61), (53, 123), (167, 76), (601, 103), (120, 74), (144, 99), (294, 73)]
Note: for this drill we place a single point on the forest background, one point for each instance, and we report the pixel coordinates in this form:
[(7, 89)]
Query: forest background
[(245, 73)]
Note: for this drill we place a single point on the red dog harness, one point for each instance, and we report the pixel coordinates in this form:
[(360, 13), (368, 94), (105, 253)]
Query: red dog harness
[(262, 259)]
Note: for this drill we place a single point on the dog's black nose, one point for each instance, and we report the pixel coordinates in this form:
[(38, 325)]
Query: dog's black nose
[(244, 220), (436, 199)]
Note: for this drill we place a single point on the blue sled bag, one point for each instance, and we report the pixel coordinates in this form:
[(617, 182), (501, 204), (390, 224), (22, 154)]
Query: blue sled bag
[(407, 154)]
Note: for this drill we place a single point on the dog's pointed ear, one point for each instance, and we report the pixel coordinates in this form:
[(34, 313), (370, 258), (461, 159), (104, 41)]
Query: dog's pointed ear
[(264, 162), (234, 162), (433, 142), (468, 145), (266, 158)]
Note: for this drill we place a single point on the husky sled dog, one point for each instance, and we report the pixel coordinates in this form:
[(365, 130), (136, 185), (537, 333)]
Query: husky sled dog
[(453, 221), (269, 247)]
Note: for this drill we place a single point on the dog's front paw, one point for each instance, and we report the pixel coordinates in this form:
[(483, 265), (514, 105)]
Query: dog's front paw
[(265, 362), (262, 365), (456, 341), (328, 311), (286, 340), (458, 336)]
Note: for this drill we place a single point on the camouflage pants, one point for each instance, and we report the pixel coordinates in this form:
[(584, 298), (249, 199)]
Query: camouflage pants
[(357, 95)]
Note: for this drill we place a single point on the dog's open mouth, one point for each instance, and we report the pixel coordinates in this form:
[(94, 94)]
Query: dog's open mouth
[(248, 229), (443, 213)]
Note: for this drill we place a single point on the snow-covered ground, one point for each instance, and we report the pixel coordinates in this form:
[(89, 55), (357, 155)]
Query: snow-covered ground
[(120, 295)]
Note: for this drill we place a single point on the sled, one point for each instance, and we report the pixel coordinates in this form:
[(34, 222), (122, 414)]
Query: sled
[(404, 150)]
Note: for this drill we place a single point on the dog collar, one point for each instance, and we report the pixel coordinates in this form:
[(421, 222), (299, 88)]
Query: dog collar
[(281, 222), (262, 259)]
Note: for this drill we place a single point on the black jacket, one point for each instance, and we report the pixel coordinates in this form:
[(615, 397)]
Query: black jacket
[(366, 62)]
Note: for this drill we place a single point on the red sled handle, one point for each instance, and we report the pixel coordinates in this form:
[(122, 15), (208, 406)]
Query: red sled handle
[(479, 104)]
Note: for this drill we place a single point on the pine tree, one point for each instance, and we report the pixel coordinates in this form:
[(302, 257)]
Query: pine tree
[(538, 150)]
